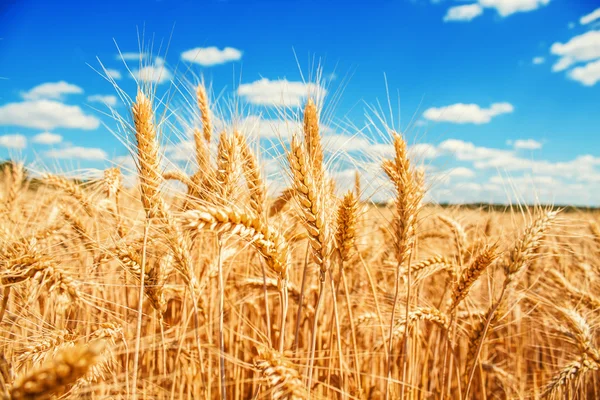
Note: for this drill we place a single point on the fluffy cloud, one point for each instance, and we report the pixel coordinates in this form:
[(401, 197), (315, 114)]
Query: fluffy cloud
[(588, 75), (467, 151), (46, 114), (538, 60), (460, 172), (591, 17), (581, 48), (345, 143), (526, 144), (461, 113), (279, 92), (156, 73), (209, 56), (51, 90), (504, 8), (465, 12), (15, 141), (508, 7), (113, 73), (423, 151), (83, 153), (47, 138), (109, 100)]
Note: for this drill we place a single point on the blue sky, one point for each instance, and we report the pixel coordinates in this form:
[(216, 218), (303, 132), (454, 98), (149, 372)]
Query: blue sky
[(503, 95)]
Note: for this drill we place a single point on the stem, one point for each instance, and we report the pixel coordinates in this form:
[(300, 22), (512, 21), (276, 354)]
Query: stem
[(283, 299), (352, 328), (266, 296), (221, 312), (338, 334), (488, 322), (377, 308), (138, 334), (313, 344), (301, 300), (4, 302), (405, 338)]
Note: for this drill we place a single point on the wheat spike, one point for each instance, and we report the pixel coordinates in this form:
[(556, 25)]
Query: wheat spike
[(346, 225), (266, 239), (280, 375), (57, 375)]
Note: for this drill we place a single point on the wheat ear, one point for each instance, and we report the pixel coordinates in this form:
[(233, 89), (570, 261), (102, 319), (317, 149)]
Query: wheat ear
[(57, 375), (254, 180)]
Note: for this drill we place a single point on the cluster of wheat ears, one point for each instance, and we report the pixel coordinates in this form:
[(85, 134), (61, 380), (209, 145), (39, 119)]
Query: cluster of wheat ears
[(124, 292)]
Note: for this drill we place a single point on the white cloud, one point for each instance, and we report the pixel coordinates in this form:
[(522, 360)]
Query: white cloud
[(279, 92), (113, 73), (15, 141), (588, 75), (465, 12), (109, 100), (526, 144), (467, 151), (156, 73), (460, 172), (47, 138), (581, 48), (345, 143), (508, 7), (83, 153), (423, 151), (209, 56), (46, 114), (538, 60), (591, 17), (51, 90), (461, 113)]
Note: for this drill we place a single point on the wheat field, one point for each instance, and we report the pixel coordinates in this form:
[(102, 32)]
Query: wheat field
[(114, 291)]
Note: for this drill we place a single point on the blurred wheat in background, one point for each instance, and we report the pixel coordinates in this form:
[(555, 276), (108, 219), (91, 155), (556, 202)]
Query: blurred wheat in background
[(223, 291)]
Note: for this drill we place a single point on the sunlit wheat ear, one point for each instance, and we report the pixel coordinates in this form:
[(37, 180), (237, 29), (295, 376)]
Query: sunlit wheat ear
[(581, 332), (310, 198), (178, 176), (280, 376), (521, 255), (112, 182), (22, 262), (460, 235), (519, 259), (407, 201), (347, 214), (56, 376), (153, 280), (576, 295), (148, 155), (264, 238), (204, 107), (254, 180), (14, 174), (227, 166), (567, 377), (437, 260), (430, 314), (312, 139), (471, 273), (281, 201), (78, 226), (39, 347), (72, 189)]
